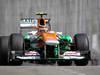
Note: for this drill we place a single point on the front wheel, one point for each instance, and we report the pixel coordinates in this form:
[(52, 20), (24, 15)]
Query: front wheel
[(17, 45), (81, 42)]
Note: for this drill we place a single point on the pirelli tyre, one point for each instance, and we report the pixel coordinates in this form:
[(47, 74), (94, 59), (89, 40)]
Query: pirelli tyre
[(4, 50), (82, 45), (81, 41), (17, 42), (17, 45)]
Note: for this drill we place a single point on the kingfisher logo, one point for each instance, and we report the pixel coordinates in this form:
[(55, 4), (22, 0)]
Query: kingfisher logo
[(31, 53), (72, 53)]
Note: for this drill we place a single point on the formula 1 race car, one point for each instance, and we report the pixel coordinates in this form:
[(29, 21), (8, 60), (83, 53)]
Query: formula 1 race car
[(37, 42)]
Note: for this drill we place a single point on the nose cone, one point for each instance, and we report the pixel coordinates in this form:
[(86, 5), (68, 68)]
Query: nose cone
[(52, 42)]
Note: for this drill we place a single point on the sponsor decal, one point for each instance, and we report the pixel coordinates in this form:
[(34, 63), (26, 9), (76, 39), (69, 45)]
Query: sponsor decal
[(31, 53), (72, 53)]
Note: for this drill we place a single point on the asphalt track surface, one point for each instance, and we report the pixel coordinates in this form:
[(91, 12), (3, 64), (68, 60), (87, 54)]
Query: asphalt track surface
[(49, 70), (37, 69)]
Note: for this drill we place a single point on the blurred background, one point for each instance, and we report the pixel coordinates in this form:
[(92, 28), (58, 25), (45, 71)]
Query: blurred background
[(71, 16)]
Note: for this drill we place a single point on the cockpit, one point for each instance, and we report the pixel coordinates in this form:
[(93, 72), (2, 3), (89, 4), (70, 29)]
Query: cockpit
[(40, 24)]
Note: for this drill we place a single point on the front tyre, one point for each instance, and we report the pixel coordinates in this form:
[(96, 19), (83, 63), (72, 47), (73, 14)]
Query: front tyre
[(17, 45), (81, 42), (82, 45), (17, 42)]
